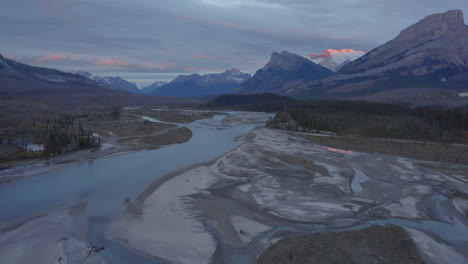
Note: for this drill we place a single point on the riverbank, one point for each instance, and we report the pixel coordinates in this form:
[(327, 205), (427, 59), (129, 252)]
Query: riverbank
[(117, 137), (122, 130), (278, 184)]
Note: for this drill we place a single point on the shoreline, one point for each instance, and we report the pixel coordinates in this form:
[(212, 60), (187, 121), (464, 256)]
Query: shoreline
[(28, 168)]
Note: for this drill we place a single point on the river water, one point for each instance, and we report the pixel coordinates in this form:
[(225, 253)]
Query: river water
[(105, 183)]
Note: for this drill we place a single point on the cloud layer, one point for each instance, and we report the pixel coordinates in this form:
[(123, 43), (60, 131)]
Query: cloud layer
[(177, 36)]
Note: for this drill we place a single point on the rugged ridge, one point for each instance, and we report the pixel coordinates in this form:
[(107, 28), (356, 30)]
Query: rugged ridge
[(438, 44), (426, 62), (17, 77), (196, 85), (282, 72)]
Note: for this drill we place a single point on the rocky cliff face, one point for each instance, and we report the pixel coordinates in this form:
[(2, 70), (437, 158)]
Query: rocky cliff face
[(283, 71), (427, 61), (435, 46)]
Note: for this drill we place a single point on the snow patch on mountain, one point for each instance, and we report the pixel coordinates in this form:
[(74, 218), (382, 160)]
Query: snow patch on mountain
[(335, 59), (115, 82)]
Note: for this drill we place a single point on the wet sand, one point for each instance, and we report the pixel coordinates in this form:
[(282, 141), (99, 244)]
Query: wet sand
[(279, 184)]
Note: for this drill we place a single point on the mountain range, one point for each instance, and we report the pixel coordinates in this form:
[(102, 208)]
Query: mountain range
[(203, 85), (283, 71), (114, 82), (25, 88), (425, 63)]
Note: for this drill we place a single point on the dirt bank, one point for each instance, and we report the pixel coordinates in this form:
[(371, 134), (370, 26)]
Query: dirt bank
[(378, 244), (415, 149)]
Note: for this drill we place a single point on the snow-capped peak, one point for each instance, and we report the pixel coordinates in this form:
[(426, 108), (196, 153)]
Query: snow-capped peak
[(335, 59)]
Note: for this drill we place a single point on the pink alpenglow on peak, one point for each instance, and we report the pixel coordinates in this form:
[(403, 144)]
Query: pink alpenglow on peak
[(335, 59)]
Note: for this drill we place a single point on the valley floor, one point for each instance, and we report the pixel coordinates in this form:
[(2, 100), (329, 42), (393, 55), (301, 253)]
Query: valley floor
[(276, 185)]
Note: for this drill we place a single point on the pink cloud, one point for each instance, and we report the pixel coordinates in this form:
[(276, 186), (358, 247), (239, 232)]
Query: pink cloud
[(110, 62), (56, 57)]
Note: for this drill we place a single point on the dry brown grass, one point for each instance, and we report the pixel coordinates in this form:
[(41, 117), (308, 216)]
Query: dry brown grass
[(376, 244), (414, 149), (174, 116)]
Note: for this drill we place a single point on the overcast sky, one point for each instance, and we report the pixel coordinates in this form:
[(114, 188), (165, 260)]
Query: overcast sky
[(146, 40)]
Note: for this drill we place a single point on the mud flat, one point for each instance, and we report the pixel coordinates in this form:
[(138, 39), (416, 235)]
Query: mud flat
[(52, 237), (279, 185)]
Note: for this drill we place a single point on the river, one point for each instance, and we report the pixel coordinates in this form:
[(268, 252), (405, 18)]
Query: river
[(107, 183)]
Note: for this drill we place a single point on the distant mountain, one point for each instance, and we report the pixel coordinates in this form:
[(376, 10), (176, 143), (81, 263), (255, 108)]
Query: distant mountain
[(201, 85), (115, 82), (152, 88), (41, 88), (421, 65), (335, 59), (282, 72), (18, 78)]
